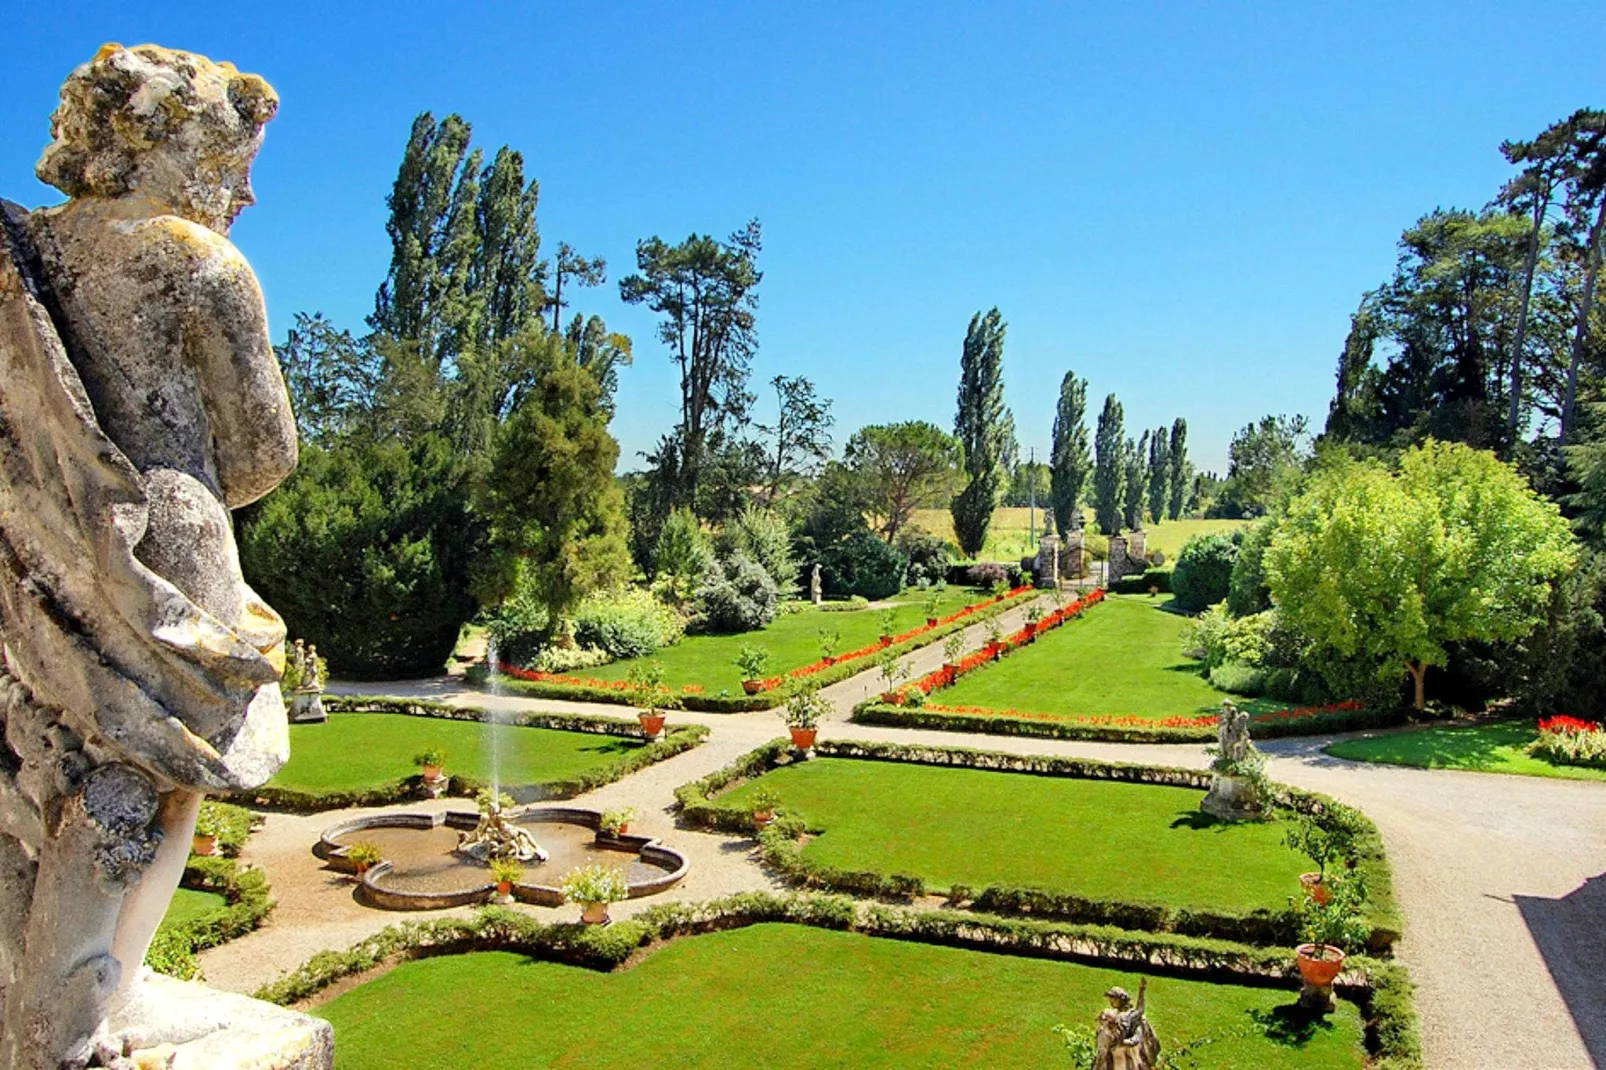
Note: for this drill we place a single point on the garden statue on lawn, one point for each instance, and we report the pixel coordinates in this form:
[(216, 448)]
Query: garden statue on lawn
[(1124, 1039), (814, 585), (141, 402), (305, 673), (1237, 781)]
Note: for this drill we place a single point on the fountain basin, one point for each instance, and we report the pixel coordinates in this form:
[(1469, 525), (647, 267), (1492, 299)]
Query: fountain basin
[(421, 869)]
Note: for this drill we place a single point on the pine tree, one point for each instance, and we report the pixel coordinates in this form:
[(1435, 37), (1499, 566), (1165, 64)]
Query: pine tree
[(1181, 470), (1070, 461), (1109, 472), (1159, 474), (984, 428), (1136, 491)]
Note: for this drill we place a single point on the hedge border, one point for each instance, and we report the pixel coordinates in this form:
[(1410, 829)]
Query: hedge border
[(876, 712), (247, 898), (782, 848), (768, 700), (676, 739), (1380, 990)]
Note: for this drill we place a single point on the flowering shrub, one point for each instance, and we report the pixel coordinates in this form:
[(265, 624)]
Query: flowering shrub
[(1571, 741)]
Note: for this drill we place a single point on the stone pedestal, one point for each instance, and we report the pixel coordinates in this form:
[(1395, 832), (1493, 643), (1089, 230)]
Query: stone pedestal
[(1136, 551), (434, 789), (1046, 571), (1318, 999), (1232, 798), (200, 1028), (1117, 564), (1073, 562), (306, 707)]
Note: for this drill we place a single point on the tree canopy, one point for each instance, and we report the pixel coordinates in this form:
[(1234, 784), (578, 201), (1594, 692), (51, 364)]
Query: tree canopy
[(985, 429)]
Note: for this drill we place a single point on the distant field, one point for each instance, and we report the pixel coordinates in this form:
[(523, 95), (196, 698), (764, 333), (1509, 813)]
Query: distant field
[(1009, 537)]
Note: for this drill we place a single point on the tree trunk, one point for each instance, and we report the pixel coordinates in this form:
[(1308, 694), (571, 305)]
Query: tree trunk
[(1540, 204), (1419, 674), (1585, 300)]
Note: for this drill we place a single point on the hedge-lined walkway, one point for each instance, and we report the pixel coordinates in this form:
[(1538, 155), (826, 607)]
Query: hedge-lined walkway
[(1473, 856)]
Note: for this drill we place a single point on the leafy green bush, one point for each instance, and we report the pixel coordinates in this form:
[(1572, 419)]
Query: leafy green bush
[(1247, 592), (1236, 678), (567, 658), (1204, 571), (682, 557), (929, 556), (626, 623), (738, 596), (1157, 579), (1205, 637), (863, 565), (986, 575), (762, 536)]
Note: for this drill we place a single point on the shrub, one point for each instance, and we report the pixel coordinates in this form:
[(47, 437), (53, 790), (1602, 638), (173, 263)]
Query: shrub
[(567, 659), (518, 626), (986, 575), (929, 556), (1247, 592), (681, 558), (862, 565), (1204, 571), (762, 536), (738, 596), (1157, 579), (1204, 638), (625, 623), (1236, 678), (1570, 741)]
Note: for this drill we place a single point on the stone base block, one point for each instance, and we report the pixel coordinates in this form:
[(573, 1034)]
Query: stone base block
[(1232, 798), (1318, 999), (187, 1026)]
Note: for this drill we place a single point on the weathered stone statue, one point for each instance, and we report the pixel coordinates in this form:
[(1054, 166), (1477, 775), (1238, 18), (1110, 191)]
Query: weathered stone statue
[(140, 401), (497, 837), (306, 698), (814, 585), (1235, 786), (1124, 1039)]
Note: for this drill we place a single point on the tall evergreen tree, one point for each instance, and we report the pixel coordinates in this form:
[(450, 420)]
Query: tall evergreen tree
[(1181, 470), (984, 427), (569, 264), (1136, 491), (1109, 468), (1159, 473), (1354, 409), (1070, 461)]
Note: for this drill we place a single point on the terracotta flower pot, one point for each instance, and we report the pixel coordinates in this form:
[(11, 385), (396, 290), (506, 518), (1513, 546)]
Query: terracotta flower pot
[(950, 673), (886, 640), (203, 845), (1318, 972), (504, 888), (931, 622), (651, 723), (1315, 888), (362, 867), (762, 818), (620, 831), (594, 913), (803, 738), (432, 772), (752, 687), (829, 659)]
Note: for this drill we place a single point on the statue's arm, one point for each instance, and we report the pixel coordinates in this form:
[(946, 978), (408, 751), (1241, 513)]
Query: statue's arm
[(226, 339)]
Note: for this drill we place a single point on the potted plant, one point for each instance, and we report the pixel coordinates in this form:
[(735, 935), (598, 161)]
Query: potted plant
[(952, 648), (765, 800), (650, 697), (889, 624), (506, 872), (933, 603), (363, 855), (1034, 613), (1330, 930), (430, 760), (208, 826), (995, 634), (802, 713), (616, 822), (752, 661), (893, 672), (1324, 836), (829, 639), (594, 886)]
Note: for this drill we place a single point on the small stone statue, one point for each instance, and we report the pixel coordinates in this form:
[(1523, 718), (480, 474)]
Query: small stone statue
[(306, 699), (1235, 786), (814, 585), (140, 401), (1124, 1039), (497, 837)]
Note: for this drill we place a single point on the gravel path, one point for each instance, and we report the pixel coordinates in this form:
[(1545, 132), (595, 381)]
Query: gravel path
[(1499, 877)]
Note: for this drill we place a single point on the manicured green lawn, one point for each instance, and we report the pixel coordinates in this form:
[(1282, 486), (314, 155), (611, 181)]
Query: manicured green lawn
[(1495, 747), (1129, 842), (1121, 659), (789, 996), (189, 904), (792, 640), (1007, 536), (354, 751)]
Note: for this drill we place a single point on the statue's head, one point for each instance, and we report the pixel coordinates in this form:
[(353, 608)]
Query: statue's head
[(173, 128), (1119, 998)]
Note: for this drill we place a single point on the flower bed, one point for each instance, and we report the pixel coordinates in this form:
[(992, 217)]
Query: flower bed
[(1571, 741)]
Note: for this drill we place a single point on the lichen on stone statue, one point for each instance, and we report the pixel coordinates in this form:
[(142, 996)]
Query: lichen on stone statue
[(141, 403)]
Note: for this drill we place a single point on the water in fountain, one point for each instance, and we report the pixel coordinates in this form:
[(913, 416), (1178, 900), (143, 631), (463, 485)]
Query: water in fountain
[(494, 716)]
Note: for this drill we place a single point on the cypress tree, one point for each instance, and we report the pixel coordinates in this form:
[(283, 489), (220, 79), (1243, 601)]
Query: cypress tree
[(1181, 470), (1137, 482), (1069, 457), (1109, 474), (1159, 474), (984, 427)]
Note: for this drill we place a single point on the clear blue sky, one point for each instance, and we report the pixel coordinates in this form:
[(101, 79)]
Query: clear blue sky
[(1183, 203)]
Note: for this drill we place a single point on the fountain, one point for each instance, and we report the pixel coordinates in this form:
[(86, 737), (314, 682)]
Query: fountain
[(496, 837)]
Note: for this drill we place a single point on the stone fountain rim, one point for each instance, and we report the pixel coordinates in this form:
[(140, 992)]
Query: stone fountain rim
[(651, 851)]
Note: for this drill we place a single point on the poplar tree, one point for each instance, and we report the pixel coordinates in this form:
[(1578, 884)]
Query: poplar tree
[(1181, 470), (984, 427), (1109, 474), (1136, 478), (1069, 457), (1159, 474)]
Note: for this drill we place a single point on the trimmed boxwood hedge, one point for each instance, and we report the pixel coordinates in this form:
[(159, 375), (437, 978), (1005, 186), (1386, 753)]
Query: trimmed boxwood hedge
[(1381, 990), (247, 902), (782, 846), (875, 712), (764, 700), (676, 739)]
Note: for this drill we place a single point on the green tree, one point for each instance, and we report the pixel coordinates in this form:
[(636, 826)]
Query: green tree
[(1135, 480), (1070, 461), (601, 352), (762, 537), (706, 292), (900, 468), (800, 438), (1264, 461), (1029, 484), (1585, 227), (1159, 473), (569, 264), (984, 427), (332, 377), (1182, 481), (1109, 468), (552, 501), (1391, 567), (1353, 413)]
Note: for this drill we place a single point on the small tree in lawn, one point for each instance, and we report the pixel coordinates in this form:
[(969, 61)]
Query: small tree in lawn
[(1393, 567)]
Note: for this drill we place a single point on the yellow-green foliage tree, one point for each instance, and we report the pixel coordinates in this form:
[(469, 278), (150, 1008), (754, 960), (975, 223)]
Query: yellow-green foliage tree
[(1392, 566)]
